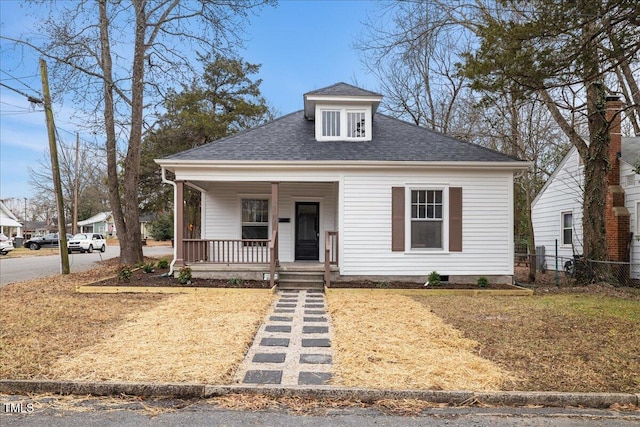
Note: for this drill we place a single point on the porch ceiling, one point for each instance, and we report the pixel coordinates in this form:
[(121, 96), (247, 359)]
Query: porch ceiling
[(205, 186)]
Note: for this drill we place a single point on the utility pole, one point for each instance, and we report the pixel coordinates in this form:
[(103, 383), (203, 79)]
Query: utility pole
[(55, 169), (75, 187)]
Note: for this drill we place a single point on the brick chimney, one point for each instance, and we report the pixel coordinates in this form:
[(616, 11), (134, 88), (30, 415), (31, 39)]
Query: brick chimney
[(617, 216)]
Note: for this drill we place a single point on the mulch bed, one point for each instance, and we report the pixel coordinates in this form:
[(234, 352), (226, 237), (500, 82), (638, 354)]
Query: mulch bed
[(157, 279), (366, 284)]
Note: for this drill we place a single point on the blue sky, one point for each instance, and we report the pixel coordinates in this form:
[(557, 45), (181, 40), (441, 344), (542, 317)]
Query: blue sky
[(302, 46)]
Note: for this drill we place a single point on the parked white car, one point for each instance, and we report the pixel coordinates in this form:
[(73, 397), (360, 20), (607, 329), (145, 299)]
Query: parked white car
[(6, 244), (87, 242)]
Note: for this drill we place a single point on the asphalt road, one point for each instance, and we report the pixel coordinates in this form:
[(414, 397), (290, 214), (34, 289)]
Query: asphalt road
[(199, 413), (14, 270)]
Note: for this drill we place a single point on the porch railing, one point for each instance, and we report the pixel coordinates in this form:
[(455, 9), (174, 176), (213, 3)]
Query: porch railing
[(330, 254), (247, 251), (273, 257)]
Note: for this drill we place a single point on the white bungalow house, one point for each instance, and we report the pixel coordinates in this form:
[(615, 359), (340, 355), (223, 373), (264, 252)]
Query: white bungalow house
[(344, 190), (8, 222), (557, 210)]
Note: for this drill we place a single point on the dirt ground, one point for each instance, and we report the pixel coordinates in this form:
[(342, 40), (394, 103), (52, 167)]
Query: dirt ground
[(158, 278), (563, 339)]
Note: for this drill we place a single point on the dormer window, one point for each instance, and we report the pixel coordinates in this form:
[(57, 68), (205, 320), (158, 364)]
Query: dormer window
[(342, 112), (343, 124), (331, 123), (356, 124)]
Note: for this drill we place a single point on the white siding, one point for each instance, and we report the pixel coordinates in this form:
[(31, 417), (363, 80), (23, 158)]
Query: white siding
[(632, 199), (363, 198), (222, 209), (486, 216), (563, 193)]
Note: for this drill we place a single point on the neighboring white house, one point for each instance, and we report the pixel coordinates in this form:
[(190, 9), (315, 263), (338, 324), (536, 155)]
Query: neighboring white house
[(557, 210), (100, 223), (374, 196), (8, 221)]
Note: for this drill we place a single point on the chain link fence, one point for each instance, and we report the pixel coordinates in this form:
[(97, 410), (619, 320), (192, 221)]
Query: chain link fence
[(572, 271)]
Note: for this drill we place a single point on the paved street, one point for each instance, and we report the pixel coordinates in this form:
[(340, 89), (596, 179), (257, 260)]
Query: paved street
[(202, 413), (20, 269)]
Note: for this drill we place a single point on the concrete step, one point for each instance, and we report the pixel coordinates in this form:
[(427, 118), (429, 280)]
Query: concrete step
[(300, 280), (300, 286)]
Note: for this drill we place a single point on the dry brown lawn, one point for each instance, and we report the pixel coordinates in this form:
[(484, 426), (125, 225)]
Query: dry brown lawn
[(200, 337), (572, 342), (580, 340), (385, 339), (47, 331), (44, 319)]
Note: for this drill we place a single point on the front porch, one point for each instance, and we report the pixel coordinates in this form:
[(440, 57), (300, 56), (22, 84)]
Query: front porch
[(299, 219)]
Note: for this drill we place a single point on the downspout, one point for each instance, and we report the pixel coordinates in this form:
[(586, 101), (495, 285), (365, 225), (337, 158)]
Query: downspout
[(175, 219)]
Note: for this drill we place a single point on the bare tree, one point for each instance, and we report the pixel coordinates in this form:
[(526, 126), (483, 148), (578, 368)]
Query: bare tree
[(118, 58), (92, 186), (415, 49), (412, 48)]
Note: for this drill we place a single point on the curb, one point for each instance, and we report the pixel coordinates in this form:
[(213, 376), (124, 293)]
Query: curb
[(500, 398)]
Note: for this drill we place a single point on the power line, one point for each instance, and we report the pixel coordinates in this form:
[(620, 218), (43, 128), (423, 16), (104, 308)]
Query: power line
[(29, 97), (22, 81)]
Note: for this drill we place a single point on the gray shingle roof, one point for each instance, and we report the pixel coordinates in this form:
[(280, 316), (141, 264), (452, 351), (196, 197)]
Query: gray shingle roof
[(342, 89), (292, 138)]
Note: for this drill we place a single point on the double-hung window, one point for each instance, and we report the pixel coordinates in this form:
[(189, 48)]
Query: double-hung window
[(331, 123), (356, 124), (567, 228), (255, 219), (426, 219)]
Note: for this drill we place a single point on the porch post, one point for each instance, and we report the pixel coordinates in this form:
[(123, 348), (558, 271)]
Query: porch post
[(274, 218), (179, 231)]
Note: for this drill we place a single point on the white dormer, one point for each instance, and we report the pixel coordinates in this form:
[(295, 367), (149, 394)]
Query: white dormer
[(342, 112)]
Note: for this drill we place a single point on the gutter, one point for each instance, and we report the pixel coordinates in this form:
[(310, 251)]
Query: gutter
[(175, 220), (339, 165)]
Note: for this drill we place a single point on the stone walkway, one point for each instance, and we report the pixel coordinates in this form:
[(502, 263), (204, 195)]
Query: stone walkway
[(293, 345)]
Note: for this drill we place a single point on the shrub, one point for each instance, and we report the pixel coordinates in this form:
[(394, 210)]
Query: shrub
[(235, 281), (434, 278), (483, 282), (148, 267), (161, 228), (163, 263), (124, 274), (184, 275), (382, 285)]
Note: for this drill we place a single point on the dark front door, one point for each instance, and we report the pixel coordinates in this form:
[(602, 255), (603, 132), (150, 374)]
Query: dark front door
[(307, 231)]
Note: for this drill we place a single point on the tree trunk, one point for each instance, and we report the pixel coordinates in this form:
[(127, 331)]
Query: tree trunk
[(131, 241), (595, 172), (596, 164), (109, 122)]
